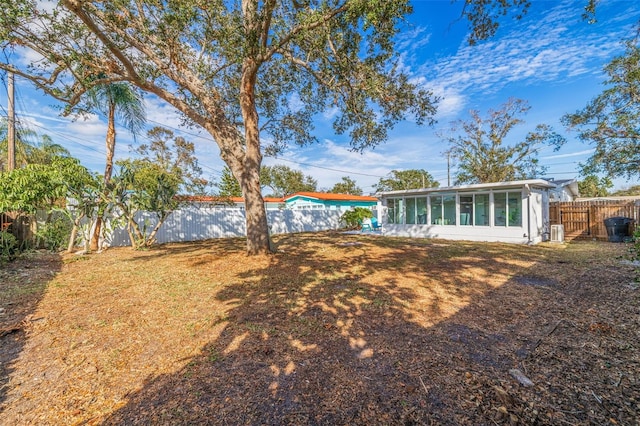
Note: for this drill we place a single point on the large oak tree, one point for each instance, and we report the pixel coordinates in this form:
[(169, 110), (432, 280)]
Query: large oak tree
[(346, 186), (239, 69), (400, 180), (484, 152), (611, 121), (283, 180)]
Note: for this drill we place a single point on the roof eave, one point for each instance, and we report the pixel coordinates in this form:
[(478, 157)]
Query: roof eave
[(539, 183)]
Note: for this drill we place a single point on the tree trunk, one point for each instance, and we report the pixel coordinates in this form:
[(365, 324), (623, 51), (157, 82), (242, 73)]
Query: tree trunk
[(151, 240), (256, 216), (95, 237), (258, 241), (108, 171), (74, 234)]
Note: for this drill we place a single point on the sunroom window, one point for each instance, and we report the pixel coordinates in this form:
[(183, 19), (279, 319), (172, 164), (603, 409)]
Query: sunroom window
[(481, 207), (436, 210), (443, 209), (474, 209), (507, 209), (394, 210), (466, 210), (410, 217), (449, 205), (421, 210)]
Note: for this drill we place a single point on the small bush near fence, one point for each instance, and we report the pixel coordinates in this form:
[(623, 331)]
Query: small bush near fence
[(54, 234), (9, 246), (354, 217)]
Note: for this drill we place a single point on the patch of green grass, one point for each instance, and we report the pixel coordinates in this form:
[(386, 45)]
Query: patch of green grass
[(74, 259), (379, 302), (258, 328), (213, 355), (23, 289)]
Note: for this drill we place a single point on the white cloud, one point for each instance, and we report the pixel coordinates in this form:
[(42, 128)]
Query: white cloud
[(412, 40), (572, 154), (161, 113), (452, 102), (544, 51), (328, 161), (330, 113)]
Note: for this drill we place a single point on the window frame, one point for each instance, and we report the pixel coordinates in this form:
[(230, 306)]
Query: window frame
[(507, 213)]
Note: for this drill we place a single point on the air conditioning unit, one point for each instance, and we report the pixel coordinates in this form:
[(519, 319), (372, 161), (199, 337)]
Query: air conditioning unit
[(557, 233)]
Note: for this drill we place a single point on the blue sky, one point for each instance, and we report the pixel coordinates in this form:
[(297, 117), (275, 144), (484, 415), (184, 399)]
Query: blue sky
[(552, 58)]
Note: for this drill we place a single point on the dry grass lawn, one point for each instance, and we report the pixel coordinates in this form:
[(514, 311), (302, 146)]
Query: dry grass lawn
[(333, 329)]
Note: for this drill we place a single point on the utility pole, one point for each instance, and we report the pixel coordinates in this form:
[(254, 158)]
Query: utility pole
[(11, 124)]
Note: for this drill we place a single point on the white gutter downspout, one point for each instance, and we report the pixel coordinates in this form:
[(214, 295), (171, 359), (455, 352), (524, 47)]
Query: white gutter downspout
[(526, 186)]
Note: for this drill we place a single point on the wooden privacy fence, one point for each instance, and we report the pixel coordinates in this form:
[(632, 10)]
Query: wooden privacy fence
[(21, 225), (585, 219)]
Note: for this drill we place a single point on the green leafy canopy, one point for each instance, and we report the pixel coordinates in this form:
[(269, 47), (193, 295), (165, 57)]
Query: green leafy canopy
[(399, 180), (611, 121), (483, 152)]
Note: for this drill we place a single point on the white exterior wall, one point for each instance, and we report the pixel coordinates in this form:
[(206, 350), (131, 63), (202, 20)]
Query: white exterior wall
[(561, 194), (200, 223), (535, 221), (539, 211)]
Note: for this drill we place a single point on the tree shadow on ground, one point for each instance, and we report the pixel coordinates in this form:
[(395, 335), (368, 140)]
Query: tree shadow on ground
[(23, 283), (220, 246), (357, 338)]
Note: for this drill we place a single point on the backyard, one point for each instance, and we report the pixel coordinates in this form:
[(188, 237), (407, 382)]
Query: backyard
[(332, 329)]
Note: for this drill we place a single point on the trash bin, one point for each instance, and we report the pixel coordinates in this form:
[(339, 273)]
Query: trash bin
[(618, 228)]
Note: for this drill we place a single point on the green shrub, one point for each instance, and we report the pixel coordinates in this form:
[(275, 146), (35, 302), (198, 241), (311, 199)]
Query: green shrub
[(55, 234), (9, 246), (353, 218), (634, 251)]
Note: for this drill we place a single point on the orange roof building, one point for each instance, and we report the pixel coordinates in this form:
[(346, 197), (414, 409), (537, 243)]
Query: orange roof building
[(297, 201), (326, 200)]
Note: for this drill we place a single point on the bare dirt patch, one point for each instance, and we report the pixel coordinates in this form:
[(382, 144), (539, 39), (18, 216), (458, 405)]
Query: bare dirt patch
[(333, 329)]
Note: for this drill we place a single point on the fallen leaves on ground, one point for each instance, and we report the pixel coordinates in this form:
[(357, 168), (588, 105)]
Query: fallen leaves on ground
[(332, 329)]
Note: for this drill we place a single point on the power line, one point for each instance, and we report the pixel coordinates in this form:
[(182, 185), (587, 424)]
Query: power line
[(208, 139), (71, 139), (270, 156)]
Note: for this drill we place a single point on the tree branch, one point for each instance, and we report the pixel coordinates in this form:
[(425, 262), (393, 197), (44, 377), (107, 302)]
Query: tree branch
[(302, 29)]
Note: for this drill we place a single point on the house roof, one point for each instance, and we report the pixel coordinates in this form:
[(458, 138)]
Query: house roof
[(317, 195), (327, 196), (538, 183), (569, 185), (611, 198), (237, 200)]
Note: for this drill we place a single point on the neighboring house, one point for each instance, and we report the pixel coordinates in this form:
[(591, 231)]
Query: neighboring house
[(565, 190), (270, 203), (328, 201), (620, 198), (516, 212)]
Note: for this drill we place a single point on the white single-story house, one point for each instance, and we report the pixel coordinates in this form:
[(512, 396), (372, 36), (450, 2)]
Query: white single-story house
[(565, 190), (515, 212)]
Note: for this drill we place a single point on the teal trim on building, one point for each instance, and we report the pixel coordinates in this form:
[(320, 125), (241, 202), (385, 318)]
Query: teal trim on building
[(307, 202)]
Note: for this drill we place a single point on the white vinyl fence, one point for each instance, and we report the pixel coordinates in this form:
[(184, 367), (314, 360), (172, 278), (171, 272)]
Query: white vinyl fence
[(193, 223)]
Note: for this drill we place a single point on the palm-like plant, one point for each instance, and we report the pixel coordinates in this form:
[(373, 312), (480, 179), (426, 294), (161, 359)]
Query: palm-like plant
[(115, 101), (31, 148)]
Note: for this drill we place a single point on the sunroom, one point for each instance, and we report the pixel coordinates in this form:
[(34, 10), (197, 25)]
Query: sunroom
[(516, 212)]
